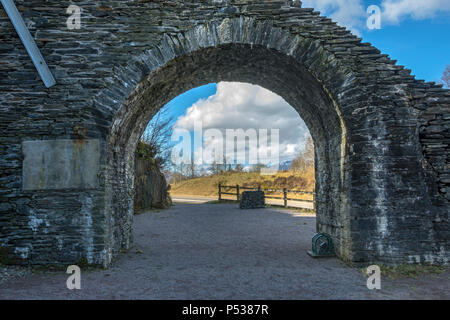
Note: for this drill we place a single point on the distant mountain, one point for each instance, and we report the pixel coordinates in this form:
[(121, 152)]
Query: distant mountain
[(285, 165)]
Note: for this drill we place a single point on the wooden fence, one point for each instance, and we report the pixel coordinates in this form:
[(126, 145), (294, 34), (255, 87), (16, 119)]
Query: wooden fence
[(285, 193)]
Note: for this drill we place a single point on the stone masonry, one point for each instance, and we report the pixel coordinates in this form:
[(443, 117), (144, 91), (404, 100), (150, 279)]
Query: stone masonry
[(252, 200), (150, 186), (67, 152)]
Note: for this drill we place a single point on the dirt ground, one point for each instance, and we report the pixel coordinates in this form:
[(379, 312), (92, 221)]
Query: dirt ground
[(216, 251)]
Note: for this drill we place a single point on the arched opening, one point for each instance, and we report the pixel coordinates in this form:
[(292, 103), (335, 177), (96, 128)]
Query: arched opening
[(268, 68), (234, 135), (380, 134)]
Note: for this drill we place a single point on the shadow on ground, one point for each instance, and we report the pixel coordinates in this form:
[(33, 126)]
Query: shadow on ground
[(217, 251)]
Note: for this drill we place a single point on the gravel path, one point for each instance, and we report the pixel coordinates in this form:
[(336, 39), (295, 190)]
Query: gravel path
[(216, 251), (12, 272)]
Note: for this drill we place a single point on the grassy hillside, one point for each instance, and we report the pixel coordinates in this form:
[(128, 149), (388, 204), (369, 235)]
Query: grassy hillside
[(208, 186)]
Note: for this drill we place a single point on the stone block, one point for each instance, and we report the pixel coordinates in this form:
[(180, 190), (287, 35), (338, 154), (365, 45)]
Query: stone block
[(252, 200), (60, 164)]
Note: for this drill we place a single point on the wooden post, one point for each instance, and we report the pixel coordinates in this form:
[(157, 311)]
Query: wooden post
[(220, 192), (237, 192), (285, 197)]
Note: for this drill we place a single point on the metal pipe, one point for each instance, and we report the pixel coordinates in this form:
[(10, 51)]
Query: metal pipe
[(29, 43)]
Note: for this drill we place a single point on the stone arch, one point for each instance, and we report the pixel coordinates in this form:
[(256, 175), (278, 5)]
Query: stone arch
[(326, 91), (383, 134)]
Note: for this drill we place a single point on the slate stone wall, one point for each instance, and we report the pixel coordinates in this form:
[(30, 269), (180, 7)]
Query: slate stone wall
[(150, 186), (381, 136), (252, 200)]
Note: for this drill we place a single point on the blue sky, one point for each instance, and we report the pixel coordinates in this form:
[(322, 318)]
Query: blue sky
[(416, 33), (422, 45), (177, 107)]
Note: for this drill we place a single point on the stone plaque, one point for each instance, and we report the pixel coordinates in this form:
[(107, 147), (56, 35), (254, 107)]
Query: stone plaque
[(60, 164)]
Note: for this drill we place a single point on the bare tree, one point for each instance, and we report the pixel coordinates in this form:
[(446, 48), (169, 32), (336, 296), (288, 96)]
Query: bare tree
[(305, 159), (446, 77), (257, 167), (215, 168), (192, 170), (157, 136)]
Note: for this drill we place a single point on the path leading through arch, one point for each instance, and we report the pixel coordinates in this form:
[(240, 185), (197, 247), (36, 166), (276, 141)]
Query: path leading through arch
[(217, 251), (381, 136)]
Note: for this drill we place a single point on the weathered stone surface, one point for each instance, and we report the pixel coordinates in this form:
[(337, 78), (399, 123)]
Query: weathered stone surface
[(252, 200), (150, 186), (382, 137), (60, 164)]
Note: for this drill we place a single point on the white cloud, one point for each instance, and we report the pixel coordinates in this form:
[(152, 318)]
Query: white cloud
[(244, 106), (352, 13), (347, 13), (396, 10)]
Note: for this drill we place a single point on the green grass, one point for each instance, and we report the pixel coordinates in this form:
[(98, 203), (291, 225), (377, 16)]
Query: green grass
[(409, 270)]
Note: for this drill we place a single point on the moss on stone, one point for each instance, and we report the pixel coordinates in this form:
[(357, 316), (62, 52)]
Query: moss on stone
[(408, 270)]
